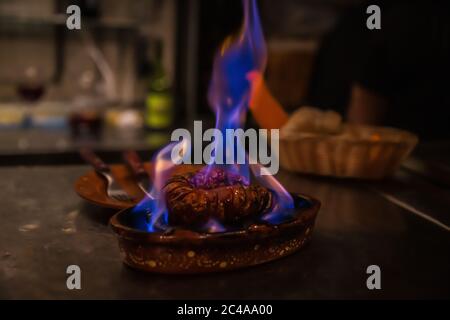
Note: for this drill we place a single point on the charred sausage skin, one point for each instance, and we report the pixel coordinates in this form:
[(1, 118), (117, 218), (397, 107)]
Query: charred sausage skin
[(194, 198)]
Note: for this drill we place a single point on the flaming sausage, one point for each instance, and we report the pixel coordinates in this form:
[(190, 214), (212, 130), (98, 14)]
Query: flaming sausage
[(194, 198)]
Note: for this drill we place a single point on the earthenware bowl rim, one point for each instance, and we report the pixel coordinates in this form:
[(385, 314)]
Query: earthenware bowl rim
[(183, 236)]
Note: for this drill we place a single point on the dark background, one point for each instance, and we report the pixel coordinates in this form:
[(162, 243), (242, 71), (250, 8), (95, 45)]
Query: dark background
[(318, 50)]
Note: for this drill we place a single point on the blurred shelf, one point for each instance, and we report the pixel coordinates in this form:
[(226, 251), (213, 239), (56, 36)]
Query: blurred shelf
[(38, 146)]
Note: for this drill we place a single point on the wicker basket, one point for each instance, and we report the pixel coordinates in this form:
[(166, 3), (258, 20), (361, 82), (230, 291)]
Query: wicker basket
[(359, 152)]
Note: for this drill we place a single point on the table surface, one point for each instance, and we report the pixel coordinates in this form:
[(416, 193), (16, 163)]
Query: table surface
[(46, 228)]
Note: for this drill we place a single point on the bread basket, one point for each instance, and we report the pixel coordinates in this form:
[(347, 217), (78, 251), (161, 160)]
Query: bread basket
[(358, 152)]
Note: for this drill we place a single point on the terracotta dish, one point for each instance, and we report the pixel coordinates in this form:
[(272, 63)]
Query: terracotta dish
[(184, 251)]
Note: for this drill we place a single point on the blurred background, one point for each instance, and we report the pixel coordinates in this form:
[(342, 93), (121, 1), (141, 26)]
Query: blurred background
[(137, 69)]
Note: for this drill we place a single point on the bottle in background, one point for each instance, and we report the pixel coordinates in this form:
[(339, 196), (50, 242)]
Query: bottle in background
[(159, 100)]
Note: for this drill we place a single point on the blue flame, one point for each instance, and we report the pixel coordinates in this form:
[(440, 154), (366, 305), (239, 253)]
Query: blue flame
[(283, 203), (229, 90), (228, 95), (153, 207)]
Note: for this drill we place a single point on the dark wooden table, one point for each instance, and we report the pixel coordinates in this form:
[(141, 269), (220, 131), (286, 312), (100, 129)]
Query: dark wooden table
[(45, 227)]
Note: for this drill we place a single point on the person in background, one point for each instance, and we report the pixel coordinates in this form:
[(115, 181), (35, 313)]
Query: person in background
[(396, 76)]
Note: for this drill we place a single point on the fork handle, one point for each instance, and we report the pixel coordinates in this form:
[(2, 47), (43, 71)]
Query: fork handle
[(135, 163), (90, 157)]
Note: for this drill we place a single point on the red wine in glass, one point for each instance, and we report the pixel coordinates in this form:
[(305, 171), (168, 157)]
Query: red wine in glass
[(30, 93)]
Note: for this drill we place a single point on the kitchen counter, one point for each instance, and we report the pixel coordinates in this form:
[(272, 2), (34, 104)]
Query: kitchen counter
[(46, 227)]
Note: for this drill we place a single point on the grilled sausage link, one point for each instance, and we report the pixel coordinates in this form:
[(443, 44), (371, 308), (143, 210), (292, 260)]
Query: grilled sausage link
[(192, 199)]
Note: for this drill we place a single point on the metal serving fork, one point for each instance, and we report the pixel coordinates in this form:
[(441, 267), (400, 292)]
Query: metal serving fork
[(113, 189)]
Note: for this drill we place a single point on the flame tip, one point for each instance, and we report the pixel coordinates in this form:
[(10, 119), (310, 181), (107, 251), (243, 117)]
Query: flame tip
[(239, 59)]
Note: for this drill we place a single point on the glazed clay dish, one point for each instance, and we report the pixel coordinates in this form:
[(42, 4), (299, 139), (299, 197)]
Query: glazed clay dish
[(183, 251), (215, 221)]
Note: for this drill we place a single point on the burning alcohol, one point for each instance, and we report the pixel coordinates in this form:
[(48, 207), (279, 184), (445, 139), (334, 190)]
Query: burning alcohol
[(238, 186), (221, 216)]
